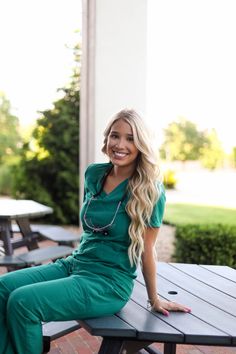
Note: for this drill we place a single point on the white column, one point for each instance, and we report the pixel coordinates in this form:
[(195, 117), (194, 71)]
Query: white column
[(114, 49)]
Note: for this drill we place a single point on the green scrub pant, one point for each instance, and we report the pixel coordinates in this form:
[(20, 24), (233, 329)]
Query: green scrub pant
[(52, 292)]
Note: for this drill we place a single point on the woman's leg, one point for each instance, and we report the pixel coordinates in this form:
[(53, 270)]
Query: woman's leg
[(74, 297), (11, 281)]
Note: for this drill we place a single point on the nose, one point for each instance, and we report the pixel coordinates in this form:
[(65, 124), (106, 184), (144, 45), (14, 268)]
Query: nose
[(120, 143)]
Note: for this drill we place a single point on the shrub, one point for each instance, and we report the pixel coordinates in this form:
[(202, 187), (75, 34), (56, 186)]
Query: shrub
[(206, 244), (6, 180)]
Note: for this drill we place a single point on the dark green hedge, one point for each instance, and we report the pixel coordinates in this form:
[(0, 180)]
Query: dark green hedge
[(206, 244)]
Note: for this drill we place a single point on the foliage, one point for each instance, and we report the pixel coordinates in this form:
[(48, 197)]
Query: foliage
[(169, 179), (206, 244), (6, 179), (49, 168), (211, 153), (10, 140), (182, 141), (180, 213)]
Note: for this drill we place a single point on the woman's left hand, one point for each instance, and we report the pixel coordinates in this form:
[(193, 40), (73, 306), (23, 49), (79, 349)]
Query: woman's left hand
[(164, 306)]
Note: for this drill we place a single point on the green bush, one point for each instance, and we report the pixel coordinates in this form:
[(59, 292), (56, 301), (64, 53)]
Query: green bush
[(6, 180), (206, 244)]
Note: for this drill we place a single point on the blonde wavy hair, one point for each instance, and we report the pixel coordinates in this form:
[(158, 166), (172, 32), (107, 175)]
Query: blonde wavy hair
[(142, 185)]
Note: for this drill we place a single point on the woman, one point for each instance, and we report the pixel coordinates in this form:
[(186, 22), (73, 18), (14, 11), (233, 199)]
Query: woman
[(121, 215)]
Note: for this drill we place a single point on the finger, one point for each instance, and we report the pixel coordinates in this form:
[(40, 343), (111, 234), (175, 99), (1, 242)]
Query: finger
[(164, 311), (183, 308), (187, 309), (178, 307), (161, 309)]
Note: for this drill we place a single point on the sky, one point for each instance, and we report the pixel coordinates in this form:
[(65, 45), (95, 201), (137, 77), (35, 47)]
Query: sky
[(35, 60), (191, 59), (192, 64)]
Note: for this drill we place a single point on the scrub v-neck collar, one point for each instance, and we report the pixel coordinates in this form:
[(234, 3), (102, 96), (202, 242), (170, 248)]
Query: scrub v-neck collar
[(114, 190)]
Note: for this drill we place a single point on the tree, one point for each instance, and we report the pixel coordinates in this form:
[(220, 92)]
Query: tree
[(182, 141), (10, 139), (49, 169), (10, 144), (211, 153)]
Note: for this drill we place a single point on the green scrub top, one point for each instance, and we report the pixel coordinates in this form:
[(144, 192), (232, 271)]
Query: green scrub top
[(107, 254)]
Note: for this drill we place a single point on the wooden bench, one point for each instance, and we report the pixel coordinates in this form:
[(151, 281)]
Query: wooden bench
[(53, 330), (11, 261), (34, 257), (57, 234), (54, 233)]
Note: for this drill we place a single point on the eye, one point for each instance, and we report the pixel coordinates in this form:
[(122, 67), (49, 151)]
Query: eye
[(113, 136), (130, 138)]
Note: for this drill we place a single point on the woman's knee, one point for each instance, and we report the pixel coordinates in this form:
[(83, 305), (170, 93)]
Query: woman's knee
[(16, 301), (23, 303), (19, 305)]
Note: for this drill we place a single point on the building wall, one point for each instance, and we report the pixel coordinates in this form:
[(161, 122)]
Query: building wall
[(120, 64), (114, 47)]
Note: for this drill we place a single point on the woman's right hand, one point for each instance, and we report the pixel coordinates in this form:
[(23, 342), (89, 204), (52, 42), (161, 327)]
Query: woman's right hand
[(164, 306)]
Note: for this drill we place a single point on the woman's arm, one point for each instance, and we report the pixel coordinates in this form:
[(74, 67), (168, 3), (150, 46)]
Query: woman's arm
[(149, 274)]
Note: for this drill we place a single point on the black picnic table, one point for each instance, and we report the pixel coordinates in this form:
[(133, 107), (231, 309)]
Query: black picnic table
[(21, 212), (209, 290)]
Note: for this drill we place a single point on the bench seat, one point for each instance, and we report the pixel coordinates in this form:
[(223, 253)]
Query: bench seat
[(53, 330), (54, 233), (57, 234), (35, 257), (13, 261), (40, 255)]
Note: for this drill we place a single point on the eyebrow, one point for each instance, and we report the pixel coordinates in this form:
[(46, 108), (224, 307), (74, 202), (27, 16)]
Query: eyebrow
[(114, 131)]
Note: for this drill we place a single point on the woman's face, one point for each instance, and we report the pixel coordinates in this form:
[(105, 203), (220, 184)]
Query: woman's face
[(120, 145)]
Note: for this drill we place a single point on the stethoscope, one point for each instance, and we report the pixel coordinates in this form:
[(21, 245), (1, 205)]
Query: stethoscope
[(103, 229)]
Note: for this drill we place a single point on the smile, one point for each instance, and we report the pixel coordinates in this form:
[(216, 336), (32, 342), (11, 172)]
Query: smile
[(119, 154)]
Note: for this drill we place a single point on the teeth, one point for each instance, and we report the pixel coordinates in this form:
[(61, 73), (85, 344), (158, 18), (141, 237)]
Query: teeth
[(121, 154)]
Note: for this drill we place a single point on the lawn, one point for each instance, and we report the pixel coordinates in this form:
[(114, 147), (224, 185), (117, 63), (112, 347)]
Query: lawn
[(198, 214)]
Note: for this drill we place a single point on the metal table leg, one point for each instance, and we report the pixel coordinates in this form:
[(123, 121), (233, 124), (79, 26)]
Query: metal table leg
[(169, 348), (5, 229)]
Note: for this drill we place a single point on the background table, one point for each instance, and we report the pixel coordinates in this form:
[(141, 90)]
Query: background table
[(21, 211), (210, 291)]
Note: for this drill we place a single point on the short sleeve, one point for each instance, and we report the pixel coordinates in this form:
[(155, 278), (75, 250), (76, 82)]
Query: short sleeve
[(93, 176), (159, 208)]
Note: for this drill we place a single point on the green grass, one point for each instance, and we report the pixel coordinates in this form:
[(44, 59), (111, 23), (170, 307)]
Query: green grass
[(198, 214)]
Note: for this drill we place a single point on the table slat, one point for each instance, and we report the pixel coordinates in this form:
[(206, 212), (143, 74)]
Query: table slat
[(195, 329), (223, 271), (212, 279), (199, 289), (148, 326)]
